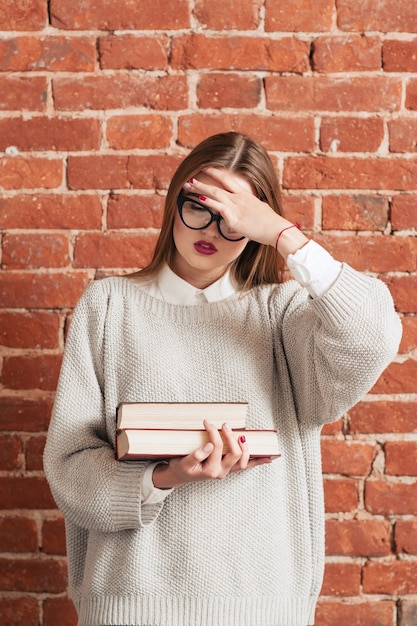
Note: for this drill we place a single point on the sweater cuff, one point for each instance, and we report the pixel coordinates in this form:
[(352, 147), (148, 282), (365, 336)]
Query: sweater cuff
[(126, 498), (345, 297)]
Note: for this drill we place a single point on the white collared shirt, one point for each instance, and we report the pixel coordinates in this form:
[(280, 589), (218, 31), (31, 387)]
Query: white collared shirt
[(312, 266)]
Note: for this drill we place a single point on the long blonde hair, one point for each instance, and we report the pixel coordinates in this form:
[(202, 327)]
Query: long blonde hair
[(258, 264)]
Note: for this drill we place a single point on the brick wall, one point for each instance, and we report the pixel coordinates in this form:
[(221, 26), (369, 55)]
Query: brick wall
[(99, 102)]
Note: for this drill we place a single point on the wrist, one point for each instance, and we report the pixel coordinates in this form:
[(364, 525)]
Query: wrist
[(163, 477), (289, 239)]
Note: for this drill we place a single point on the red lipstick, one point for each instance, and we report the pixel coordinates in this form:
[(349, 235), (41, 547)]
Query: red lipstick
[(205, 247)]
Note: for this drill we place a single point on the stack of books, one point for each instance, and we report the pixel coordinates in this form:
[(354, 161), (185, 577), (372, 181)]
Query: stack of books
[(162, 430)]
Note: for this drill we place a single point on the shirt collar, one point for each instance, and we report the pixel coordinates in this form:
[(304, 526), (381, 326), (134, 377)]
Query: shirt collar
[(176, 290)]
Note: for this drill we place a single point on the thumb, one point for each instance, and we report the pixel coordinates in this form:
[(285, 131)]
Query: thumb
[(201, 454)]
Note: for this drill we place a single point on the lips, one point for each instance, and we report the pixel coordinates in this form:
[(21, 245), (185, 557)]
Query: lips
[(205, 247)]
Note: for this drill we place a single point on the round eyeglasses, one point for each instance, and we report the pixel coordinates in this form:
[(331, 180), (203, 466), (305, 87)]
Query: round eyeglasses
[(197, 216)]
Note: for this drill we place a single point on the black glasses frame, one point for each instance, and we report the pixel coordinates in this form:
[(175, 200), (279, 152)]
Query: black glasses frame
[(214, 217)]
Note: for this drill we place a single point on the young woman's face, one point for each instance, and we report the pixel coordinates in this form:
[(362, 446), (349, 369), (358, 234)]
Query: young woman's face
[(203, 256)]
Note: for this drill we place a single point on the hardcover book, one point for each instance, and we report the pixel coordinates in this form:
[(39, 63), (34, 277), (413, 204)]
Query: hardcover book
[(183, 415), (155, 444)]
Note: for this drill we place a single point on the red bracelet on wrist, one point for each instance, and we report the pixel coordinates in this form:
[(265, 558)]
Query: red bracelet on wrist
[(296, 225)]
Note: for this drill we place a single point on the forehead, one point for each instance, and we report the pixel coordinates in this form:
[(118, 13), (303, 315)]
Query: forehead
[(241, 180)]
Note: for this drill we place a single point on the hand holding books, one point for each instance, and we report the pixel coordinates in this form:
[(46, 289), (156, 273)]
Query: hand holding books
[(221, 455), (164, 430), (198, 439)]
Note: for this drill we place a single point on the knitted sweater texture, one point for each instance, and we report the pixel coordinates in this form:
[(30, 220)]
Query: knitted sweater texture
[(243, 551)]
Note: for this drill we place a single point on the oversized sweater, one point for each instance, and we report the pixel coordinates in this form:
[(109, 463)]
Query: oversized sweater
[(247, 550)]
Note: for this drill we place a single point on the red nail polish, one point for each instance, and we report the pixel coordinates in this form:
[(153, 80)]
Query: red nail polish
[(203, 198), (191, 180), (242, 439)]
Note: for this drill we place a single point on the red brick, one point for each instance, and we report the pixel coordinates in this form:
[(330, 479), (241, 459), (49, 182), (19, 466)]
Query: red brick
[(403, 135), (380, 613), (21, 414), (126, 132), (34, 448), (34, 329), (10, 452), (97, 172), (401, 458), (215, 91), (26, 173), (350, 458), (23, 93), (43, 133), (114, 250), (371, 538), (197, 51), (53, 536), (59, 611), (406, 536), (21, 492), (351, 134), (323, 93), (340, 495), (404, 292), (23, 15), (399, 56), (299, 15), (120, 15), (395, 577), (393, 498), (383, 417), (39, 576), (273, 132), (51, 211), (409, 338), (397, 378), (239, 14), (18, 534), (153, 171), (355, 212), (299, 209), (25, 372), (34, 251), (120, 92), (325, 172), (20, 610), (366, 15), (132, 52), (411, 95), (351, 53), (404, 212), (42, 291), (134, 211), (25, 54), (341, 579), (334, 428), (373, 253)]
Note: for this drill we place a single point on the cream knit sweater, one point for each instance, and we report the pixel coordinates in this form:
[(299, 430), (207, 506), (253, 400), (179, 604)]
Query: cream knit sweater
[(243, 551)]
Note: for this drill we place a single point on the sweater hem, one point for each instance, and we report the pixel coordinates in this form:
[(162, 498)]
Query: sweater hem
[(198, 611)]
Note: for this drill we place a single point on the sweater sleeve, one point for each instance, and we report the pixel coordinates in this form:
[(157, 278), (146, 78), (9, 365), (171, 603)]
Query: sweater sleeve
[(91, 488), (336, 346)]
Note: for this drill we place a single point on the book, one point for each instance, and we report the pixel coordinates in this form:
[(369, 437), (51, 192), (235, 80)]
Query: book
[(159, 444), (183, 415)]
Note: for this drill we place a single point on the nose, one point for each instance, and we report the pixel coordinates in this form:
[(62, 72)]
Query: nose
[(211, 230)]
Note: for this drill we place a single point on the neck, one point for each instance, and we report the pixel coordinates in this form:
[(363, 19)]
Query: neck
[(196, 277)]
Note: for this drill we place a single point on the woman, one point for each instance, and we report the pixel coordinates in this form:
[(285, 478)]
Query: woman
[(212, 540)]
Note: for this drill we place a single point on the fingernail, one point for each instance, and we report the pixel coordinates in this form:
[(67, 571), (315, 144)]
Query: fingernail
[(203, 198), (242, 439), (226, 426), (208, 447), (191, 180)]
